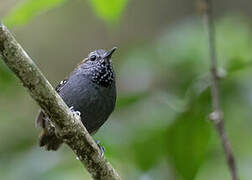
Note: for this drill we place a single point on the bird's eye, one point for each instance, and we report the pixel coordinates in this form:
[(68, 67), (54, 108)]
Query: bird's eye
[(93, 57)]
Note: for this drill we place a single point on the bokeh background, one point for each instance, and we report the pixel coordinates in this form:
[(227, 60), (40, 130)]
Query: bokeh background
[(159, 129)]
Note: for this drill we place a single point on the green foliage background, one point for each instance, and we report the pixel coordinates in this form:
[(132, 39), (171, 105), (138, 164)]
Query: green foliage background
[(160, 128)]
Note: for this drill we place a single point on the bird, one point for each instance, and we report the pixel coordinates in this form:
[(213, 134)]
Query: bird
[(89, 91)]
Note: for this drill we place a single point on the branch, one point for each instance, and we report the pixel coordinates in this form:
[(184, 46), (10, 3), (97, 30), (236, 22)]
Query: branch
[(69, 128), (217, 115)]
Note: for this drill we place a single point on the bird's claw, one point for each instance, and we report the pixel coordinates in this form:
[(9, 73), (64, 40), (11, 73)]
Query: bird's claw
[(76, 113), (102, 149)]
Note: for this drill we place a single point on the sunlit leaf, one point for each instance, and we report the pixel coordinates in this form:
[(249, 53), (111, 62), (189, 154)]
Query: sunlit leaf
[(28, 9), (109, 10)]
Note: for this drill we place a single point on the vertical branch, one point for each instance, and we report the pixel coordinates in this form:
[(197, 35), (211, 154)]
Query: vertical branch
[(217, 115)]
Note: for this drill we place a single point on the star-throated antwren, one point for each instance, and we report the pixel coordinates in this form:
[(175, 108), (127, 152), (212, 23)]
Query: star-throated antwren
[(89, 91)]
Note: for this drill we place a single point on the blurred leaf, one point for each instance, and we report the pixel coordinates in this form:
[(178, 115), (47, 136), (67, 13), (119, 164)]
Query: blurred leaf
[(28, 9), (237, 64), (6, 77), (187, 139), (172, 101), (149, 148), (197, 87), (124, 101), (109, 10), (186, 45), (233, 42)]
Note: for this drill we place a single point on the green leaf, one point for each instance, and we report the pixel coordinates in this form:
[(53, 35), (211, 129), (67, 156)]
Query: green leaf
[(109, 10), (149, 148), (28, 9), (6, 78), (127, 100), (187, 139)]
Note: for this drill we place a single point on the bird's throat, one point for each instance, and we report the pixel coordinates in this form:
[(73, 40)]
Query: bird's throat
[(103, 74)]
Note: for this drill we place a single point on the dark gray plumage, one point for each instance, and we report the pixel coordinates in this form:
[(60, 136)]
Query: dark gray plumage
[(89, 89)]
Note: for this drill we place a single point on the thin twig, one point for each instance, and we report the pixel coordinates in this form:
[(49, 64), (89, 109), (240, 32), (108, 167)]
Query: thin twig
[(217, 115), (68, 127)]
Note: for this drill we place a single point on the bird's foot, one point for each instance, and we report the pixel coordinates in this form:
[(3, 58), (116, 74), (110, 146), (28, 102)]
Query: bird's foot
[(102, 149), (75, 113)]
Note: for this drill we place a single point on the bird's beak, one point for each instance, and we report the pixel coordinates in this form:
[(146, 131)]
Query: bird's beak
[(110, 52)]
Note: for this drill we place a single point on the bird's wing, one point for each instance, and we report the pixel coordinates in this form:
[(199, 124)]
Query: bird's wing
[(61, 85), (40, 120)]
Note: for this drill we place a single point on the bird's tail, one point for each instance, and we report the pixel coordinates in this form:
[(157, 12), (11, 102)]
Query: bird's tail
[(49, 140), (47, 137)]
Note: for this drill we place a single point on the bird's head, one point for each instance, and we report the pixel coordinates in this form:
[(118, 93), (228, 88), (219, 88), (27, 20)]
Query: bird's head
[(99, 65), (99, 57)]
